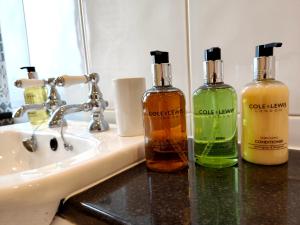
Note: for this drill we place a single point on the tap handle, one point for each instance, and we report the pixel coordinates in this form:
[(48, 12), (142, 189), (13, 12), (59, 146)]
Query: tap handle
[(67, 80), (26, 83)]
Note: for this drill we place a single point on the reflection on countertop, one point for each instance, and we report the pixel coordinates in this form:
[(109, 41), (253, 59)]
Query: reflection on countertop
[(243, 195)]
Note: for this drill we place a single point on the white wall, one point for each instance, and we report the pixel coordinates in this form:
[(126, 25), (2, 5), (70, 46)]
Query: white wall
[(122, 32), (237, 27)]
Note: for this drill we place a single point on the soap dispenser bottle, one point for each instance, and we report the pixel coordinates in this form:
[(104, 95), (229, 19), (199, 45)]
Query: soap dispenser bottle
[(35, 95), (215, 116), (164, 119), (265, 104)]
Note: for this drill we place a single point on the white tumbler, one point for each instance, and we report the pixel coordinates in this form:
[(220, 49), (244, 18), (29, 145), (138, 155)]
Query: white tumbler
[(128, 105)]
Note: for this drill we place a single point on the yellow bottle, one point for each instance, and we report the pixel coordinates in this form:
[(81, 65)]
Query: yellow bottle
[(265, 104), (35, 95)]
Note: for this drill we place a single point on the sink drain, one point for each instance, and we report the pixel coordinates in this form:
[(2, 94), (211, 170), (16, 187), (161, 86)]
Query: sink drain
[(53, 144)]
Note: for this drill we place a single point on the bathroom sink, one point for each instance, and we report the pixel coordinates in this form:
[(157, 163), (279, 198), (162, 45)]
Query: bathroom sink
[(32, 184)]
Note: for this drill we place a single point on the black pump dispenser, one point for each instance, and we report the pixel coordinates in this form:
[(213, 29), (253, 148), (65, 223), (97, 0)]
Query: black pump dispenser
[(30, 72), (28, 68), (264, 61), (161, 68), (160, 57), (212, 54), (266, 49), (213, 66)]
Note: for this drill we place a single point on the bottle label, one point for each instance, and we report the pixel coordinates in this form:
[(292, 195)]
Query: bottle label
[(30, 99), (215, 112), (268, 143), (272, 107), (265, 125), (166, 114), (215, 124)]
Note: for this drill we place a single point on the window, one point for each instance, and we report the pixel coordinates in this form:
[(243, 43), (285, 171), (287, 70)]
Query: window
[(44, 34)]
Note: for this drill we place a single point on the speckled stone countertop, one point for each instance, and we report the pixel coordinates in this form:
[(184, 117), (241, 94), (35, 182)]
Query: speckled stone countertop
[(247, 194)]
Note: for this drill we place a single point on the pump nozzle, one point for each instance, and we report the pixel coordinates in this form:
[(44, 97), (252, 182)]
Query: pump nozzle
[(266, 49), (264, 61), (212, 54), (28, 68), (30, 72), (160, 57)]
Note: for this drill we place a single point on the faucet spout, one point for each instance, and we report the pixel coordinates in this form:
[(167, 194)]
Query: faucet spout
[(27, 108), (58, 116)]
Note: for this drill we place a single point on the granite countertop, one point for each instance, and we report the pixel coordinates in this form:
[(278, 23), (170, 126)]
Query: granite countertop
[(246, 194)]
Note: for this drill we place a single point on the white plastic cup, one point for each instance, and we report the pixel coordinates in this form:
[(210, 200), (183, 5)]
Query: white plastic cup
[(128, 105)]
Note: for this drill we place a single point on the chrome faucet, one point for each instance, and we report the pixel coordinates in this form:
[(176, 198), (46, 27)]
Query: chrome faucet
[(53, 102), (95, 104)]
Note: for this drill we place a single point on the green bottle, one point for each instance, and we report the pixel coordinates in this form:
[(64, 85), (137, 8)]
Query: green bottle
[(215, 116)]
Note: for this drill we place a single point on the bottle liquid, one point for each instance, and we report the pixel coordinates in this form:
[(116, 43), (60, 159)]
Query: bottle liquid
[(35, 95), (164, 120), (265, 112), (215, 116)]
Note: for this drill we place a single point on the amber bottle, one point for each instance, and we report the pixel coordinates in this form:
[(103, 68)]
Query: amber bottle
[(164, 120)]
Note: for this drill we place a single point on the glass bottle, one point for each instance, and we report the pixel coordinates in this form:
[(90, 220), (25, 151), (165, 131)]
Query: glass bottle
[(215, 116), (164, 120), (35, 95), (265, 112)]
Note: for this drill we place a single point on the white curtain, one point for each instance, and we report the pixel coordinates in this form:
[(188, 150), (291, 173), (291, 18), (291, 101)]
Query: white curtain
[(5, 105)]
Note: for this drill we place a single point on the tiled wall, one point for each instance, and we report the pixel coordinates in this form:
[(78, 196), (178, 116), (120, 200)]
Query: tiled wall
[(122, 32), (237, 27)]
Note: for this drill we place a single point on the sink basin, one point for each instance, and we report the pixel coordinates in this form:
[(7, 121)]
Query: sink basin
[(14, 158), (32, 184)]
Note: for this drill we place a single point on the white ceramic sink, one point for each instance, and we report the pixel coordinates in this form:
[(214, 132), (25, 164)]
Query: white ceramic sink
[(33, 183)]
